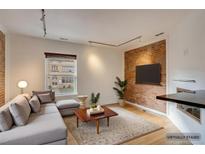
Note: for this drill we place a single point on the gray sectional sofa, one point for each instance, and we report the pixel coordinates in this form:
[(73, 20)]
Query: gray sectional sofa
[(43, 127)]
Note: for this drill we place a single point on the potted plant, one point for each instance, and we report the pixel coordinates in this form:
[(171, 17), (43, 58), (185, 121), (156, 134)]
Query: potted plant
[(120, 89), (94, 100)]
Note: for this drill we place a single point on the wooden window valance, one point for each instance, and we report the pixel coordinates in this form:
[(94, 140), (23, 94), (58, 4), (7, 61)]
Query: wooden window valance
[(59, 55)]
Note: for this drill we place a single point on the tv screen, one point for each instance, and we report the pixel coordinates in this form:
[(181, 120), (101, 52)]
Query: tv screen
[(148, 74)]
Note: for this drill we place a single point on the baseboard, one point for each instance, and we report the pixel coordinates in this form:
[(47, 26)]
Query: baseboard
[(109, 104), (146, 109)]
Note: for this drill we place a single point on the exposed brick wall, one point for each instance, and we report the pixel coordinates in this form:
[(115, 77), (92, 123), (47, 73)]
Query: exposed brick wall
[(2, 68), (145, 94)]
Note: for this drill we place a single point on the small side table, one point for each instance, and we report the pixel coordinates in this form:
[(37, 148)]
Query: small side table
[(82, 99)]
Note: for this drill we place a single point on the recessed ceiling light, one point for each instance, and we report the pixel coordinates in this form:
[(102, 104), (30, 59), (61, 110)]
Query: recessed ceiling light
[(159, 34), (63, 39)]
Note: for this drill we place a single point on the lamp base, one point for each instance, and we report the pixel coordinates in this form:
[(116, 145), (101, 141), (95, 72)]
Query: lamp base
[(22, 91)]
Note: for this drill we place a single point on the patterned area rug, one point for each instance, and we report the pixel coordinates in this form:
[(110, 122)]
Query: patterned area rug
[(124, 127)]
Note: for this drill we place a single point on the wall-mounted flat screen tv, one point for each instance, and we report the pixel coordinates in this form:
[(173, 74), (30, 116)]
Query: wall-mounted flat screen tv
[(148, 74)]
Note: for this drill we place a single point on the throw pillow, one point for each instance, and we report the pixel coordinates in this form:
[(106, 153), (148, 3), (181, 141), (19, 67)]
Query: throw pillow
[(45, 98), (27, 96), (35, 104), (6, 120), (52, 93), (20, 110)]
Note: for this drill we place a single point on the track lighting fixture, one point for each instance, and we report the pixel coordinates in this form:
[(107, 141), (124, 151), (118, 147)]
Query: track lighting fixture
[(44, 22), (116, 45)]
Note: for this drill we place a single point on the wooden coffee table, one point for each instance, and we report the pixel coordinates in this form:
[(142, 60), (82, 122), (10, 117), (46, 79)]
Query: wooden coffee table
[(85, 117)]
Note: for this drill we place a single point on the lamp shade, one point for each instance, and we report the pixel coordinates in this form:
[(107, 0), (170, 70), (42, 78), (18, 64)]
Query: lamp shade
[(22, 84)]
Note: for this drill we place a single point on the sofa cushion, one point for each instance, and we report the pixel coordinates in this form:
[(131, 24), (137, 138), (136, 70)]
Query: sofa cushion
[(20, 110), (35, 104), (52, 93), (67, 112), (6, 120), (61, 142), (47, 109), (41, 129), (64, 104)]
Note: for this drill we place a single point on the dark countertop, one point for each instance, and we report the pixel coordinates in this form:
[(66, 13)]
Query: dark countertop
[(196, 99)]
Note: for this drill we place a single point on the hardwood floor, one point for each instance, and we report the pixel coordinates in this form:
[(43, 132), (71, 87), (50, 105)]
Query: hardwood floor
[(155, 138)]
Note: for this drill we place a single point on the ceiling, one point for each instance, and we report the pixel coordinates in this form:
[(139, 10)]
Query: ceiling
[(81, 26)]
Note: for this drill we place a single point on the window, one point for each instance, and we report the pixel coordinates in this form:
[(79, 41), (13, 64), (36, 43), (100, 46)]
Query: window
[(61, 73)]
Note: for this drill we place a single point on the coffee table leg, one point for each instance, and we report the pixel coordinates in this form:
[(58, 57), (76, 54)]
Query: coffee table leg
[(97, 126), (108, 121), (77, 122)]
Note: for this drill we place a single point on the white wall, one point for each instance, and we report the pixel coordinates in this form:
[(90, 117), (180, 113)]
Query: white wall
[(186, 60), (2, 28), (97, 67)]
